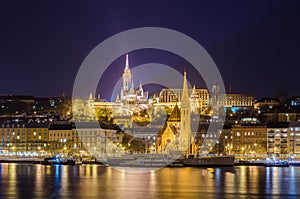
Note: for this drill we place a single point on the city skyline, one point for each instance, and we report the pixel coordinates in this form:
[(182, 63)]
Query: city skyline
[(111, 93), (149, 99)]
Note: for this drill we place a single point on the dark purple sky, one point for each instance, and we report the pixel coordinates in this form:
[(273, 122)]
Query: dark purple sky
[(255, 44)]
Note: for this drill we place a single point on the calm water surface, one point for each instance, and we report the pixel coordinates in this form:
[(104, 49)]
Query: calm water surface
[(94, 181)]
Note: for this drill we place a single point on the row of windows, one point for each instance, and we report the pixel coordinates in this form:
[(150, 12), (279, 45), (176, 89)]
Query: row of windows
[(209, 135), (23, 134), (252, 140), (60, 135), (250, 133), (22, 138)]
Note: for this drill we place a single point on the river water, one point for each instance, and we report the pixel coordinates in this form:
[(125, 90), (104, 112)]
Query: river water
[(96, 181)]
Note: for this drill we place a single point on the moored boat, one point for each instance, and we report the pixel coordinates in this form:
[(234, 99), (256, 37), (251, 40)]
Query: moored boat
[(61, 161), (176, 163), (145, 160), (276, 163), (294, 163), (208, 161)]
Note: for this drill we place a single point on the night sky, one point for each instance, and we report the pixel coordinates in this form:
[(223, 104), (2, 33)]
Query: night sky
[(255, 44)]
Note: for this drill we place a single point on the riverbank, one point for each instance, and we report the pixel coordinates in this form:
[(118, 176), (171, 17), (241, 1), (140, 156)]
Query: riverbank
[(35, 160)]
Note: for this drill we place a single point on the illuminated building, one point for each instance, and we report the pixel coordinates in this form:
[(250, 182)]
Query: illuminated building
[(177, 134), (14, 137), (37, 135), (249, 139), (166, 137), (235, 100), (266, 103), (282, 114), (128, 98), (199, 98), (95, 140), (61, 136), (128, 95), (225, 141), (32, 136), (294, 130), (278, 138)]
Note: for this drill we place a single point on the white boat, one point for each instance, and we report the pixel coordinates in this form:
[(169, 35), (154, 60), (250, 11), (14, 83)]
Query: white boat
[(162, 160), (272, 162), (61, 161), (141, 160)]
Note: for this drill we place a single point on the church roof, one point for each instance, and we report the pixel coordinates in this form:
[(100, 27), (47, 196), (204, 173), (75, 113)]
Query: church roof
[(162, 131), (175, 115)]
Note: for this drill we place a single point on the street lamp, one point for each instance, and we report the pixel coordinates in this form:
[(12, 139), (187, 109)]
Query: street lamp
[(218, 149), (255, 149), (243, 151)]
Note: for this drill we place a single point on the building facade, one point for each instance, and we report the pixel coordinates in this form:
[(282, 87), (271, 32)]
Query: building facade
[(294, 129), (97, 141), (235, 100), (278, 139), (21, 137), (249, 140)]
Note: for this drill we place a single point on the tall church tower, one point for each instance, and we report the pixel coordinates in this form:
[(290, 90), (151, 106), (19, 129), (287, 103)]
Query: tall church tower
[(127, 77), (185, 137)]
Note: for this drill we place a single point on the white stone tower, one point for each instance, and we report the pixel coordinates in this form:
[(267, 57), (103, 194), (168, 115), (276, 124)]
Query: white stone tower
[(127, 77), (128, 85)]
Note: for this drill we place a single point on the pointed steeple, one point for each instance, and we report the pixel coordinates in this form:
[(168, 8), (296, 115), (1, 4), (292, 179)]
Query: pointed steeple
[(127, 63), (127, 77), (141, 87), (185, 93), (118, 98), (91, 96), (185, 125), (194, 90)]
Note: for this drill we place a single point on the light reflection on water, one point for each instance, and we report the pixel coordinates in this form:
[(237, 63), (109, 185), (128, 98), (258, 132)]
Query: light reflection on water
[(95, 181)]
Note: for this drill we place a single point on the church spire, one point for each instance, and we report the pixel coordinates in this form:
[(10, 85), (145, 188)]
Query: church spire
[(185, 93), (194, 90), (185, 125), (127, 63), (91, 96), (127, 77)]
